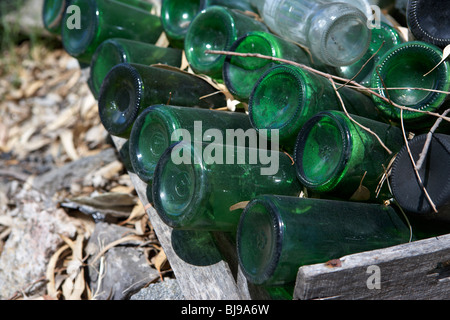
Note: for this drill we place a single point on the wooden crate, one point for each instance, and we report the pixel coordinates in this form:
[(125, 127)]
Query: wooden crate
[(205, 264)]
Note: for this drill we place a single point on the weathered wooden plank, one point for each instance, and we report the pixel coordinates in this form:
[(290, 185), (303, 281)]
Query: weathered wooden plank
[(414, 271), (195, 257)]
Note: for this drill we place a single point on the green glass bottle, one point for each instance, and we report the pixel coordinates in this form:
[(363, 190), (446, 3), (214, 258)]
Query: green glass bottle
[(52, 14), (216, 28), (377, 49), (130, 88), (155, 129), (407, 65), (285, 97), (241, 73), (115, 51), (176, 15), (90, 22), (278, 234), (335, 156), (195, 184)]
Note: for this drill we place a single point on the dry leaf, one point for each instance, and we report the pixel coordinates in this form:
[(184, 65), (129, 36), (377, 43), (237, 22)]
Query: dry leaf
[(239, 205), (160, 261), (362, 193), (66, 137)]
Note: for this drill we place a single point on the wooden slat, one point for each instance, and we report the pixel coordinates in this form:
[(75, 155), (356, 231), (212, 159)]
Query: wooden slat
[(195, 257), (414, 271)]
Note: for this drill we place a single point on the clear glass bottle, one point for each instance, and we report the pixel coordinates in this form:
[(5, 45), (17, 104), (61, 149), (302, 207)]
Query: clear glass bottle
[(335, 32), (435, 178), (176, 15), (99, 20), (407, 66), (52, 14), (278, 234), (334, 156), (383, 39), (241, 73), (198, 191), (428, 21), (286, 96), (156, 127), (216, 28), (130, 88), (114, 51)]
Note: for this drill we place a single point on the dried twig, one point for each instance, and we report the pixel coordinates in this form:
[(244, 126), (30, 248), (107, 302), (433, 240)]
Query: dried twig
[(356, 122), (428, 140), (355, 84), (363, 66), (414, 165)]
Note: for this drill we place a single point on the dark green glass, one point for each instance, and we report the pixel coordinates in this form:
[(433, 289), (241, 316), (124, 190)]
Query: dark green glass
[(334, 156), (156, 127), (129, 89), (176, 15), (52, 14), (104, 19), (405, 66), (286, 96), (197, 191), (377, 49), (241, 73), (277, 234), (216, 28), (115, 51)]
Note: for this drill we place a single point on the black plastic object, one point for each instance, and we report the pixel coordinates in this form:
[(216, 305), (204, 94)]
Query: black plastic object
[(434, 173), (429, 21)]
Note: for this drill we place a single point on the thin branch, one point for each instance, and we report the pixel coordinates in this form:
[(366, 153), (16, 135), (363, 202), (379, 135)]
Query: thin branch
[(414, 165), (326, 75), (363, 66), (428, 140), (357, 123)]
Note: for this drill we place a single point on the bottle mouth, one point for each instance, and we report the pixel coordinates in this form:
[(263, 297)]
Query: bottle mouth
[(347, 38), (259, 240), (211, 29), (278, 99), (109, 54), (405, 66), (323, 148), (428, 21), (149, 138), (52, 14), (179, 186), (177, 15), (241, 73), (120, 99), (77, 39), (435, 175)]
